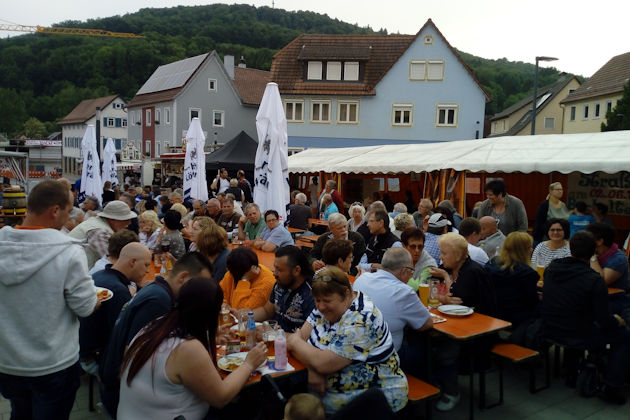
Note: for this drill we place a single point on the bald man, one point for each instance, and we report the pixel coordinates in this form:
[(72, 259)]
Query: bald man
[(131, 266), (491, 237)]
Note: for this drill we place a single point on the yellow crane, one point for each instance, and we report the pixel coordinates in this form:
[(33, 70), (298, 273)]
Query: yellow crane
[(65, 31)]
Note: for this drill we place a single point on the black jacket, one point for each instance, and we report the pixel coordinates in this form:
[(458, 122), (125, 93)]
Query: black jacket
[(358, 249), (474, 289), (515, 291), (377, 245), (575, 301)]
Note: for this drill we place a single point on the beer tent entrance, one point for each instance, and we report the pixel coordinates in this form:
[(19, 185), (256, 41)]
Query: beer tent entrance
[(238, 153)]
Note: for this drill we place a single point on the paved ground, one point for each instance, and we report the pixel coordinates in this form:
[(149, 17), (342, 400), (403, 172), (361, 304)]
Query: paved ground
[(555, 403)]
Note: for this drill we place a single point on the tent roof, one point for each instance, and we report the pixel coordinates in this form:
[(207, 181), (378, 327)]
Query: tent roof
[(585, 152), (240, 150)]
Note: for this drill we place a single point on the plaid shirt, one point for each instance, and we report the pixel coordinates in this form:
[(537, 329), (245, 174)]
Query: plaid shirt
[(98, 240)]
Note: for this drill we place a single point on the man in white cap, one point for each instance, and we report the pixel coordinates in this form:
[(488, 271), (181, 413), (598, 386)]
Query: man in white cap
[(438, 225), (96, 231)]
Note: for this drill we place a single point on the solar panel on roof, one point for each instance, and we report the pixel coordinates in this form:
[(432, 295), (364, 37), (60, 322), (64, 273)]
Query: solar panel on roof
[(172, 75)]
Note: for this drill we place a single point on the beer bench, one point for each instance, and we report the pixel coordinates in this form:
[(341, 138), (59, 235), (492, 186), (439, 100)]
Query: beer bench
[(421, 391)]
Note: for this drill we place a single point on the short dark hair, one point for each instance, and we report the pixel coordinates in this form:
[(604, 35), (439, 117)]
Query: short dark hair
[(193, 262), (118, 241), (603, 208), (150, 204), (271, 211), (240, 261), (381, 215), (411, 233), (468, 226), (566, 227), (295, 257), (497, 186), (335, 249), (582, 245), (46, 194), (163, 199), (602, 231), (581, 206)]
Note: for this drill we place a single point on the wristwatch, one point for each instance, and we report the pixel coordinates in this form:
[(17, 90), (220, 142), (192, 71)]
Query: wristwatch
[(593, 258)]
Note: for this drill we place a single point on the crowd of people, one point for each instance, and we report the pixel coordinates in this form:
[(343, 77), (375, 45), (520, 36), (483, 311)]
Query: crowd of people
[(349, 304)]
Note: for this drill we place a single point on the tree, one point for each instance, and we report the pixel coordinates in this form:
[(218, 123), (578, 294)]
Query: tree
[(13, 111), (619, 117), (34, 128)]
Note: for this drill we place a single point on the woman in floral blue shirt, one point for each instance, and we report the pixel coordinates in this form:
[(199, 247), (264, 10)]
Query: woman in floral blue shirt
[(346, 345)]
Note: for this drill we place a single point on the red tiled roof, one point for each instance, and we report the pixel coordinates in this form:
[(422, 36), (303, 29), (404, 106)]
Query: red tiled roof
[(610, 78), (250, 84), (86, 109), (378, 52)]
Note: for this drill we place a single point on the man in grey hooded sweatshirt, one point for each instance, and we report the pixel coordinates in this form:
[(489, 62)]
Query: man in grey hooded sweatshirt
[(44, 288)]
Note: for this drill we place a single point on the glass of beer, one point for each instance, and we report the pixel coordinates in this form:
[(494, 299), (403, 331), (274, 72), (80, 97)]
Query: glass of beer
[(224, 317), (541, 271), (434, 301), (269, 338), (423, 291)]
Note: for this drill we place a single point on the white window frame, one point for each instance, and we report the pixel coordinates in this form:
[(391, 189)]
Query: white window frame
[(158, 116), (348, 103), (292, 116), (110, 122), (147, 148), (167, 115), (597, 111), (190, 111), (585, 111), (420, 64), (572, 113), (320, 102), (402, 107), (333, 70), (447, 108), (349, 69), (553, 123), (428, 72), (212, 85), (504, 125), (222, 113), (147, 117), (314, 70), (124, 122), (158, 149)]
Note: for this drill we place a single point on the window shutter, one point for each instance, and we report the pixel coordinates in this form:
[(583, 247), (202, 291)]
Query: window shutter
[(104, 121), (436, 70), (351, 71), (417, 70), (118, 122)]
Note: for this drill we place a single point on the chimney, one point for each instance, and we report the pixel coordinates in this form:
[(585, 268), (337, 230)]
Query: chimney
[(228, 62), (241, 63)]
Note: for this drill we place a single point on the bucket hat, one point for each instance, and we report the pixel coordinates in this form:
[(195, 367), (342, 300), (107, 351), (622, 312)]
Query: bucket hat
[(117, 210)]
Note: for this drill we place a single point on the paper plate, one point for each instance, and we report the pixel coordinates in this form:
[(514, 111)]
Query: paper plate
[(103, 294), (455, 310)]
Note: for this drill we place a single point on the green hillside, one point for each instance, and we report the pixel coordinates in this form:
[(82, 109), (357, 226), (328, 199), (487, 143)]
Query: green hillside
[(45, 76)]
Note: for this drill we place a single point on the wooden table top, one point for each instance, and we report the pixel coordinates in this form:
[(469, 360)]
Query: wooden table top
[(256, 377), (469, 327), (319, 222), (310, 238), (295, 230), (611, 290)]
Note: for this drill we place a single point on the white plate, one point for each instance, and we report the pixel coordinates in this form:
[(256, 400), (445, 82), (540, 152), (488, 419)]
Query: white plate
[(232, 361), (235, 326), (110, 294), (455, 310)]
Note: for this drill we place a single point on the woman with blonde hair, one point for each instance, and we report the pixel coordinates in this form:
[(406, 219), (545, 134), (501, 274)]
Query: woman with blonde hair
[(198, 224), (551, 208), (212, 241), (514, 281), (150, 227)]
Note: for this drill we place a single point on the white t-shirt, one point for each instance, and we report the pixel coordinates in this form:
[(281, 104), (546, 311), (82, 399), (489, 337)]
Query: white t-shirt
[(477, 254)]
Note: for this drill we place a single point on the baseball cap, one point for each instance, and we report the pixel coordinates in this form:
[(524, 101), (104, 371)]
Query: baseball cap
[(437, 220)]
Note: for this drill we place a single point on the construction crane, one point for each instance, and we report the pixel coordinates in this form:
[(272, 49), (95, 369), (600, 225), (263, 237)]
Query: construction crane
[(65, 31)]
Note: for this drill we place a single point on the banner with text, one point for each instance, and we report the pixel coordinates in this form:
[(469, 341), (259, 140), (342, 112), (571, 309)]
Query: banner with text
[(611, 189)]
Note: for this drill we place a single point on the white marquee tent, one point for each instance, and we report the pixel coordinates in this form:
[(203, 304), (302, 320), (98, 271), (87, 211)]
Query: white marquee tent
[(586, 152)]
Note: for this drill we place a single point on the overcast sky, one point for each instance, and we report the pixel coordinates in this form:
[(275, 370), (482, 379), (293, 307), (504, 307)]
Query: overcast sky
[(583, 35)]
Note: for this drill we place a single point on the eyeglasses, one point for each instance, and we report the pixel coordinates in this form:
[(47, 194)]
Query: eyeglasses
[(556, 230), (328, 278), (415, 246), (410, 269)]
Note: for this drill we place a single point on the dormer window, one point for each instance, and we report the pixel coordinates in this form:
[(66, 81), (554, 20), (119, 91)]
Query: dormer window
[(333, 71)]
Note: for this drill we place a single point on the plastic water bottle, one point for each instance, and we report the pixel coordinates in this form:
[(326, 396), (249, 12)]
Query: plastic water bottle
[(251, 331), (280, 345)]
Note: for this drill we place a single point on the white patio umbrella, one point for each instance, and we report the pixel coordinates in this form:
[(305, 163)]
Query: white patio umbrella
[(195, 184), (109, 163), (271, 166), (91, 175)]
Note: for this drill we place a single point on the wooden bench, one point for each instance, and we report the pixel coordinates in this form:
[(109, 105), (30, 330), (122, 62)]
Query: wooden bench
[(421, 391), (517, 355)]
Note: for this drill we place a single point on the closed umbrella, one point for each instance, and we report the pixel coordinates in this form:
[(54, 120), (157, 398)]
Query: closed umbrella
[(91, 175), (271, 165), (109, 163), (195, 184)]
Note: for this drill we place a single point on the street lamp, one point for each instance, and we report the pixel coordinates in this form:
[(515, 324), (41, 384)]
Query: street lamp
[(535, 89)]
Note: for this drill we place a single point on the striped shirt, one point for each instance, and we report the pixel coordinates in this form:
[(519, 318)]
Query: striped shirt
[(543, 255)]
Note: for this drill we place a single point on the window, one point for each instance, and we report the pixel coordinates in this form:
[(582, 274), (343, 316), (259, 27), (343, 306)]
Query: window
[(351, 71), (320, 111), (194, 113), (133, 117), (417, 70), (139, 117), (147, 117), (494, 127), (550, 123), (447, 115), (585, 111), (596, 111), (166, 147), (158, 148), (435, 70), (347, 112), (158, 116), (428, 40), (212, 85), (124, 122), (572, 117), (402, 115), (608, 106), (218, 118), (314, 70), (167, 115), (504, 125), (333, 70), (294, 111), (147, 147)]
